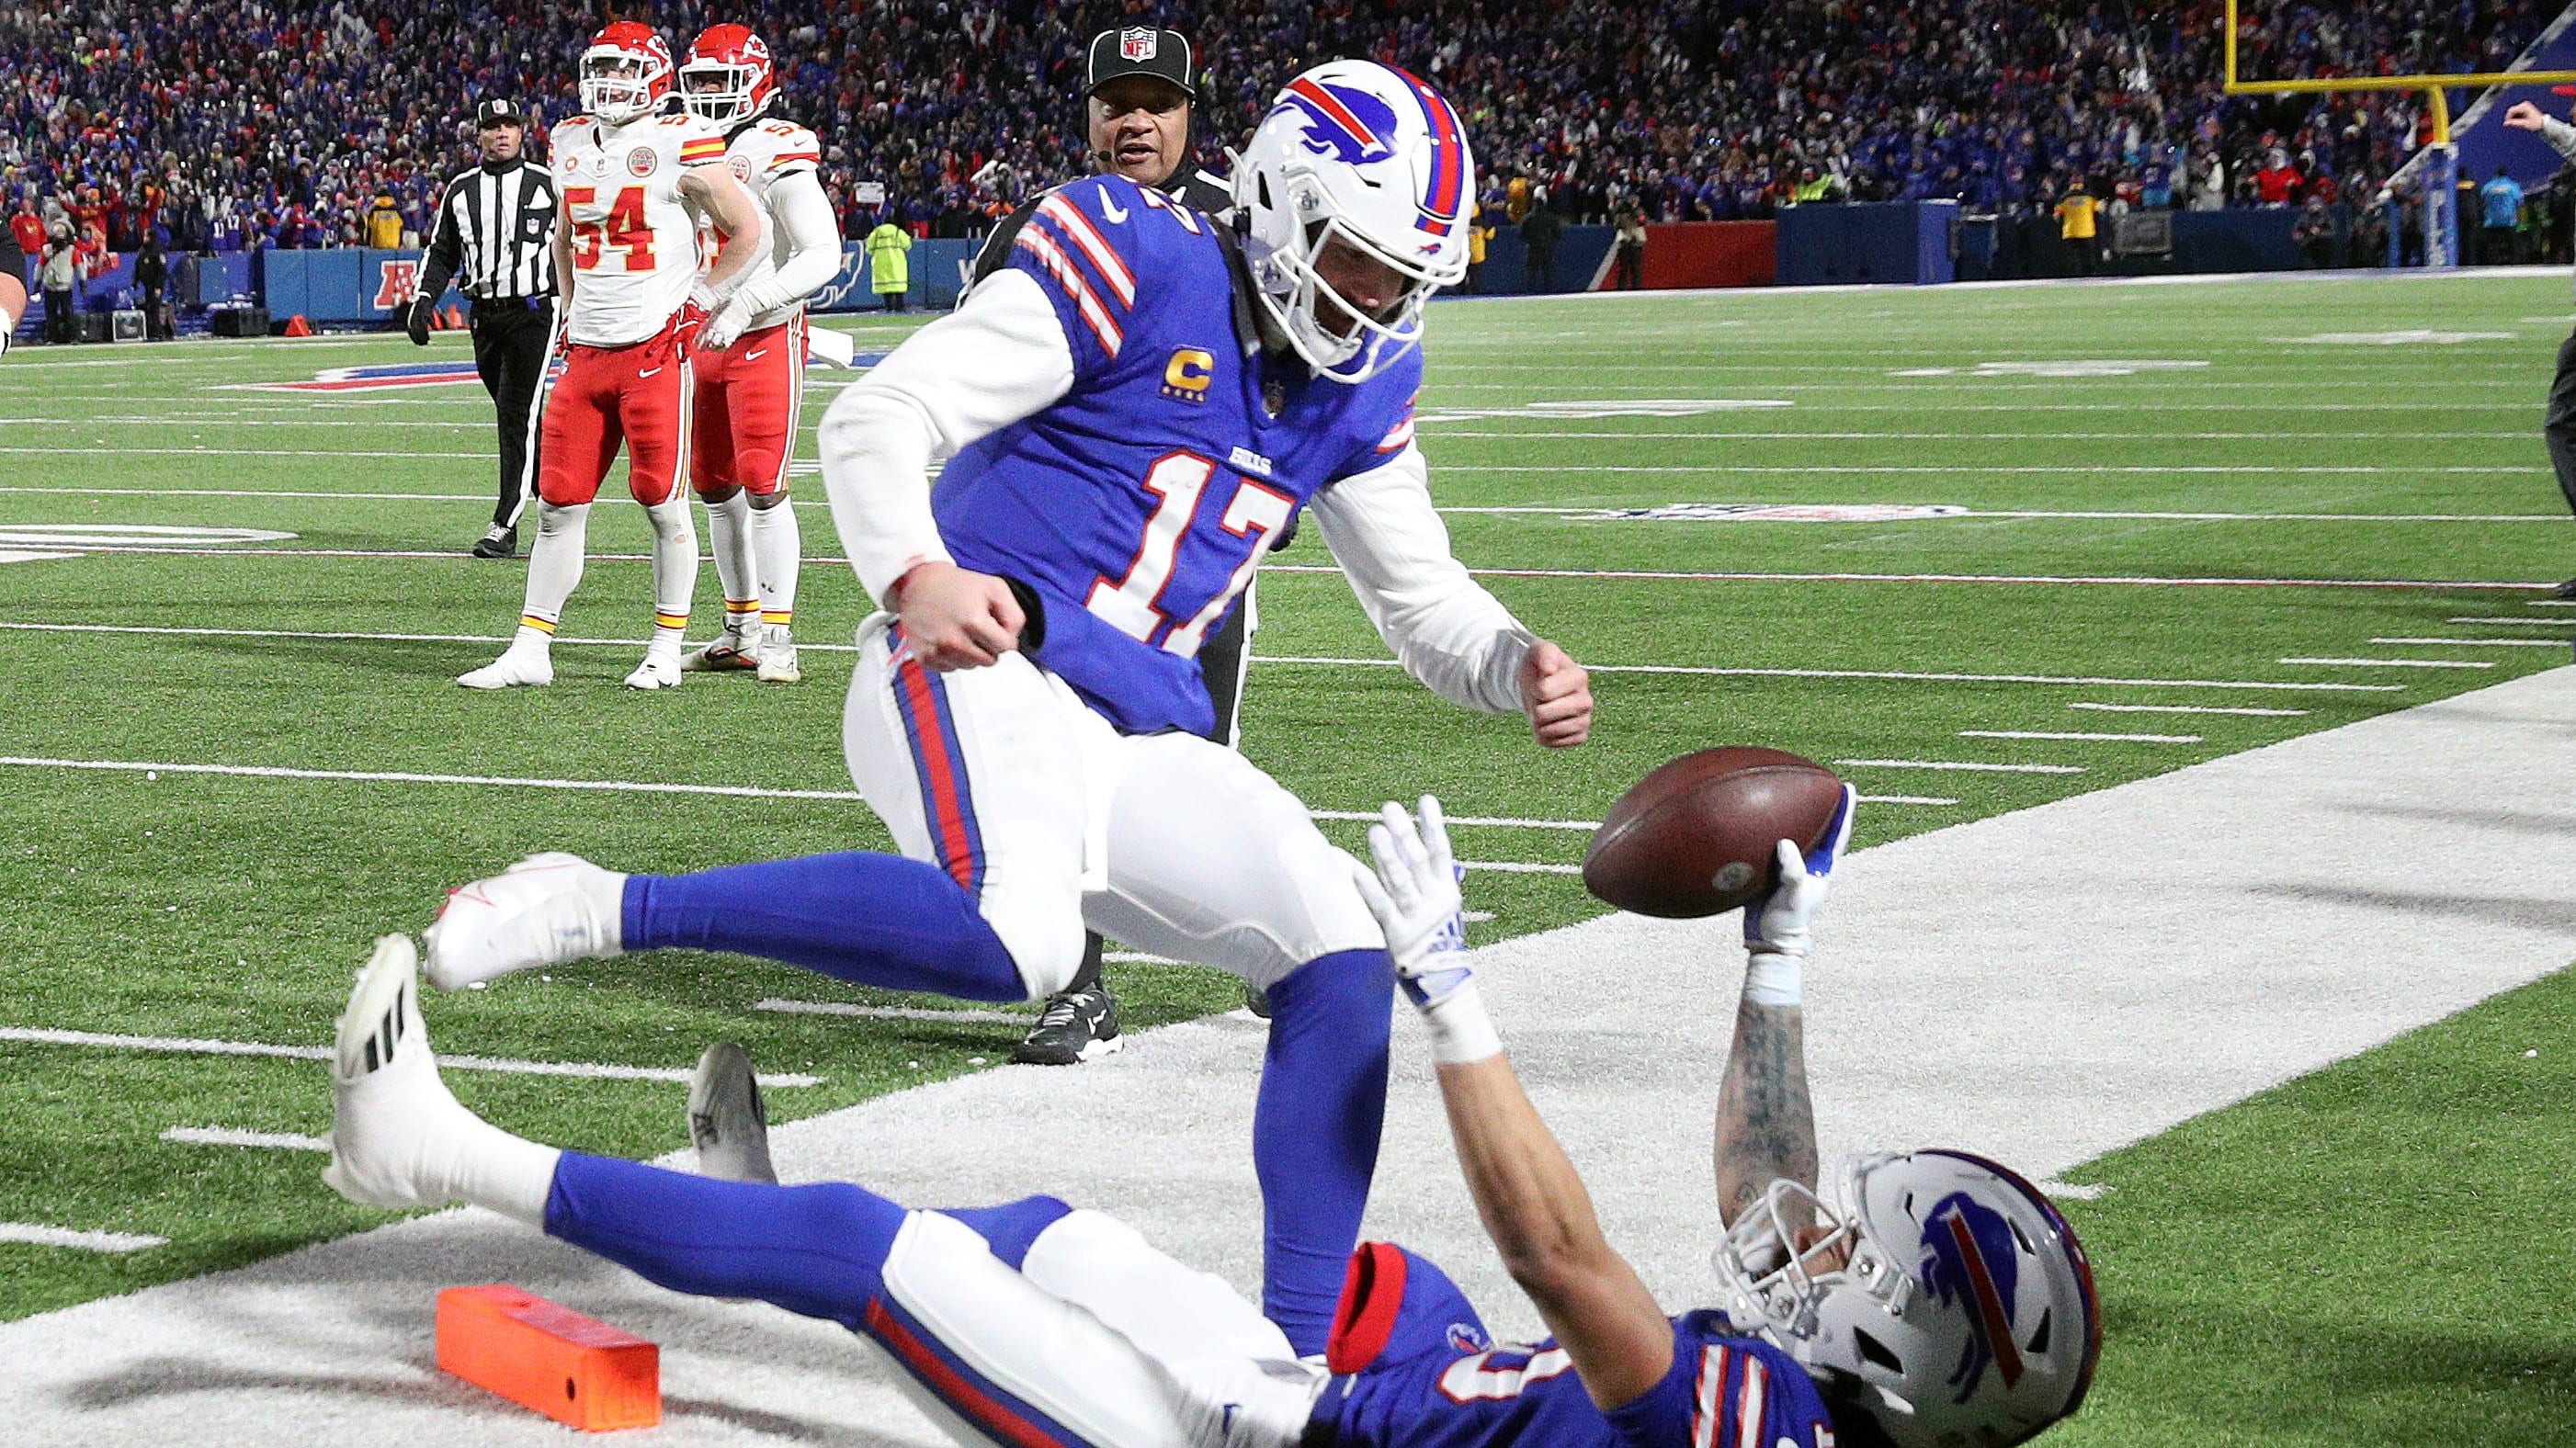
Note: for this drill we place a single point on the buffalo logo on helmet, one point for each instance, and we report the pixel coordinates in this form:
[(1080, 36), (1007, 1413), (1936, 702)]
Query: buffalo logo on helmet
[(1343, 122), (1970, 1262), (1138, 43)]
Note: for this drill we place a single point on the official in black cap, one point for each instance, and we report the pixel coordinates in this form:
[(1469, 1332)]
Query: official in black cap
[(495, 237), (1139, 87)]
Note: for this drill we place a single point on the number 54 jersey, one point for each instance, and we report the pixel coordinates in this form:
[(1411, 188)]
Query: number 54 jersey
[(1137, 505), (634, 244)]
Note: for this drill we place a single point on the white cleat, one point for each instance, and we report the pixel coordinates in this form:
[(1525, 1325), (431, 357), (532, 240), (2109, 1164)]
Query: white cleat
[(512, 670), (392, 1116), (727, 652), (548, 909), (778, 659), (658, 671)]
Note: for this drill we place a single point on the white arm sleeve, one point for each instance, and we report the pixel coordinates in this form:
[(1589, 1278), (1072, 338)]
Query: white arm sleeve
[(1446, 629), (1000, 357), (800, 210), (2560, 136)]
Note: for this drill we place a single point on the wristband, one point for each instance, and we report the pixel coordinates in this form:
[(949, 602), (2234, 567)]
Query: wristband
[(1776, 979), (1461, 1032)]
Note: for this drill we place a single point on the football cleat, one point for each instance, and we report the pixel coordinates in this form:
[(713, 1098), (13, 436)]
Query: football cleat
[(2565, 590), (501, 542), (726, 1118), (658, 671), (392, 1117), (1077, 1026), (725, 653), (778, 659), (548, 909), (512, 670)]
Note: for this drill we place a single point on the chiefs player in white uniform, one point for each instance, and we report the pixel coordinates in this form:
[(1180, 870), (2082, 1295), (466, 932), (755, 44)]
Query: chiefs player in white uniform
[(750, 356), (633, 187)]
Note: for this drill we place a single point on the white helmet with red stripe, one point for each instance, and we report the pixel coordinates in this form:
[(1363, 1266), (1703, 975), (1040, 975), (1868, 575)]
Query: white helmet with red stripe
[(625, 72), (727, 75), (1947, 1298), (1365, 154)]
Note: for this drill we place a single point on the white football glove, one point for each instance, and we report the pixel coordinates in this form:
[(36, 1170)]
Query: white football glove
[(1414, 895), (1780, 923), (722, 328)]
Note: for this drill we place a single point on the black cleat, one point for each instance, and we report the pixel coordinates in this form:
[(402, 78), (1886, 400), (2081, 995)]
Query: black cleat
[(499, 543), (2564, 590), (1078, 1025), (1256, 1000), (726, 1119)]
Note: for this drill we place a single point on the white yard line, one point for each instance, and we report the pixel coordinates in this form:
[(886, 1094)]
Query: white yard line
[(2171, 983), (1922, 799), (104, 1040), (2188, 709), (1605, 512), (2093, 738), (39, 1235), (2393, 663), (2518, 622), (1510, 867), (1914, 676), (1442, 430), (1965, 765), (894, 1013), (2479, 643), (235, 1136), (2084, 470)]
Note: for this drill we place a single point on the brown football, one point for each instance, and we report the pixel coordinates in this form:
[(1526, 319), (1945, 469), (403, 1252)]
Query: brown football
[(1696, 837)]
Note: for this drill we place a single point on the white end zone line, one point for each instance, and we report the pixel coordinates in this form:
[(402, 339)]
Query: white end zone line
[(2085, 738), (1901, 674), (2518, 622), (41, 1036), (37, 1234), (1610, 514), (2478, 643), (2188, 709), (235, 1136), (2395, 663), (1960, 764)]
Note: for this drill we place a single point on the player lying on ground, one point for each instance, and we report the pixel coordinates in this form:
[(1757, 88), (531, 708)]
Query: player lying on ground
[(1945, 1301), (1134, 408)]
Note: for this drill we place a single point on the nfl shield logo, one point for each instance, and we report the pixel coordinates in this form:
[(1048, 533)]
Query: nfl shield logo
[(1136, 44)]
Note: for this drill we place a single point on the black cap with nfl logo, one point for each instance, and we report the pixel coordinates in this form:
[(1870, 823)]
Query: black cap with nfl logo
[(1140, 50), (499, 112)]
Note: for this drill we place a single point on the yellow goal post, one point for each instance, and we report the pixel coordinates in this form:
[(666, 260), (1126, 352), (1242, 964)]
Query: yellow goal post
[(2432, 85)]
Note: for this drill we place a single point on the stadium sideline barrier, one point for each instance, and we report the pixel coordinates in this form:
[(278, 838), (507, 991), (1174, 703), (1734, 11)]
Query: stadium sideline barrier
[(1878, 241)]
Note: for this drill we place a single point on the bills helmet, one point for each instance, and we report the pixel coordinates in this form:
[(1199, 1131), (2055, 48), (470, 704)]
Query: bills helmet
[(1945, 1297), (1364, 154), (625, 72), (727, 76)]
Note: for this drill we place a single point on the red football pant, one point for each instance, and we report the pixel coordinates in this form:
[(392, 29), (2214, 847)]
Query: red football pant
[(744, 428), (637, 396)]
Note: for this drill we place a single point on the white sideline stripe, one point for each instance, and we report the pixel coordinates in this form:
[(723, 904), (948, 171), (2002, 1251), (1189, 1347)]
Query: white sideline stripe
[(1482, 821), (2481, 643), (2517, 622), (2553, 603), (1905, 799), (2397, 663), (2075, 1191), (237, 452), (894, 1013), (1908, 675), (2095, 738), (1906, 470), (42, 1036), (1139, 957), (1624, 575), (2188, 709), (39, 1235), (1961, 764), (1595, 514), (1722, 435), (272, 633), (234, 1136)]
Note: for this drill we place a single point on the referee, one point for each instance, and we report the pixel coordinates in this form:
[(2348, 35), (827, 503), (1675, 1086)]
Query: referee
[(495, 239), (1139, 88)]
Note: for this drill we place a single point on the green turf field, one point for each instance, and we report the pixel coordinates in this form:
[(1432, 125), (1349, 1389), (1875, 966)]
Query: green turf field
[(150, 901)]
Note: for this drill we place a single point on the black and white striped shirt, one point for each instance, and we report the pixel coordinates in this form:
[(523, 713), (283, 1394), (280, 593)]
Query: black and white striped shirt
[(495, 234)]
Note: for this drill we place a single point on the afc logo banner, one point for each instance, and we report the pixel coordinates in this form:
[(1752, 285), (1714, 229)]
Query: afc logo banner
[(397, 282)]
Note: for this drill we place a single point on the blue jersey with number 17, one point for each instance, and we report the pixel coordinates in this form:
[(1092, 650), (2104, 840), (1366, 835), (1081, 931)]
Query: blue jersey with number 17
[(1138, 504), (1723, 1391)]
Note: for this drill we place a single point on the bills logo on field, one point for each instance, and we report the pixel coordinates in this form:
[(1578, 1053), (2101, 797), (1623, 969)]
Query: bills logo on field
[(642, 162), (368, 379), (1343, 122), (397, 282), (1137, 44)]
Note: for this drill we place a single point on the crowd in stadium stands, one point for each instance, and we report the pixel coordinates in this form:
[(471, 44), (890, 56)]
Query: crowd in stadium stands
[(227, 124)]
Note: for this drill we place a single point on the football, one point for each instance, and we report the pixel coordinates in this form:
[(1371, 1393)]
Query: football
[(1696, 837)]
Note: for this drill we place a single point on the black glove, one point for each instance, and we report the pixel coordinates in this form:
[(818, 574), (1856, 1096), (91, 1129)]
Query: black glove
[(416, 321)]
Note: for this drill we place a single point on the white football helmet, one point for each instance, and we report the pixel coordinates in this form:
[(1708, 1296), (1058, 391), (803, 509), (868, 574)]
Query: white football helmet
[(625, 72), (1962, 1311), (1365, 153)]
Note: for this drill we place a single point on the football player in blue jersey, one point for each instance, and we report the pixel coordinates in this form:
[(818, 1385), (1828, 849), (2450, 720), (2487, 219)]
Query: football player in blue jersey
[(1941, 1301), (1130, 412)]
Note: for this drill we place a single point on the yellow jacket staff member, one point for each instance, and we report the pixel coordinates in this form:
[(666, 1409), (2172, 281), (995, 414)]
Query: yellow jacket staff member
[(2075, 215), (384, 224), (889, 271)]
